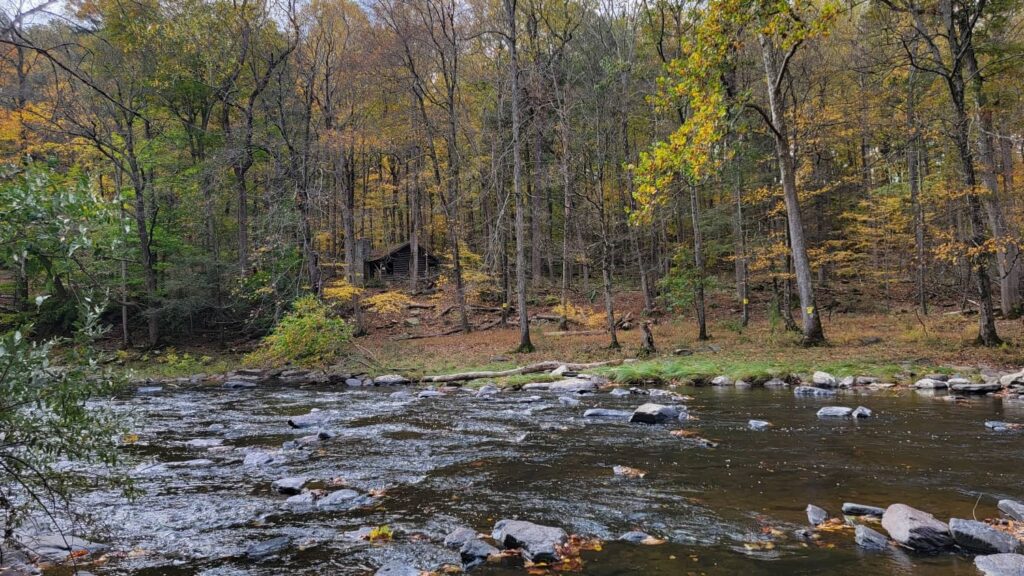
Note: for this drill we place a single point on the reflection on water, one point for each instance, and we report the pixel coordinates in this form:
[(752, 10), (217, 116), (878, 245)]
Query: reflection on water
[(462, 460)]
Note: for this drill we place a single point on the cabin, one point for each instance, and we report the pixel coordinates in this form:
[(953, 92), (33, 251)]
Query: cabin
[(396, 262)]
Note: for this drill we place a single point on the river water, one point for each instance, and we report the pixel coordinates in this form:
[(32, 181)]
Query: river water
[(433, 464)]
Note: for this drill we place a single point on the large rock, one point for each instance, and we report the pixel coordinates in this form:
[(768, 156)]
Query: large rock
[(607, 414), (812, 391), (930, 384), (268, 548), (58, 547), (972, 388), (1012, 508), (538, 543), (313, 419), (721, 381), (835, 412), (862, 412), (390, 380), (1000, 564), (291, 485), (344, 499), (981, 538), (398, 569), (916, 529), (567, 386), (458, 537), (824, 380), (652, 413), (1011, 379), (476, 551), (816, 515), (853, 509), (870, 539), (568, 401)]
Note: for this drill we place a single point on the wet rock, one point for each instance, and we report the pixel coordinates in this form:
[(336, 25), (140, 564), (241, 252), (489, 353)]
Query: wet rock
[(57, 547), (721, 381), (203, 443), (853, 509), (742, 384), (847, 382), (652, 413), (149, 390), (390, 380), (1012, 508), (340, 500), (238, 384), (567, 401), (916, 529), (313, 419), (525, 399), (635, 536), (605, 413), (930, 384), (400, 395), (195, 463), (537, 542), (776, 383), (981, 538), (824, 380), (476, 551), (303, 500), (268, 548), (261, 458), (999, 426), (816, 515), (353, 382), (560, 371), (973, 388), (619, 392), (398, 569), (1000, 564), (1011, 379), (812, 391), (834, 412), (488, 390), (862, 412), (429, 394), (759, 425), (291, 485), (870, 539), (567, 386), (456, 538)]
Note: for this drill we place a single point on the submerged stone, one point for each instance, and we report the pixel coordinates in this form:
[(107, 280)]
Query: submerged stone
[(853, 509), (268, 548), (816, 515), (605, 413), (1000, 564), (1012, 508), (981, 538), (652, 413), (812, 391), (870, 539), (759, 425), (835, 412)]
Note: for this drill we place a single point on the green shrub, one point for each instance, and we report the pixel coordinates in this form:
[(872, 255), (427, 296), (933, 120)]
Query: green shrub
[(307, 336)]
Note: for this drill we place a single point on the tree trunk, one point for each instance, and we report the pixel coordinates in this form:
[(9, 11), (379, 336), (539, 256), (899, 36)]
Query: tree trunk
[(536, 200), (811, 325), (698, 261), (914, 177), (741, 251), (525, 345)]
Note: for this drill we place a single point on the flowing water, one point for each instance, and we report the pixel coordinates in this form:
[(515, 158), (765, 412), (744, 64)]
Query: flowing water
[(434, 464)]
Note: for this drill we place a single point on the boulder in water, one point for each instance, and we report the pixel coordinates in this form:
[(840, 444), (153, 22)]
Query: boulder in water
[(853, 509), (812, 391), (930, 384), (476, 551), (268, 548), (816, 514), (398, 569), (916, 529), (456, 538), (759, 425), (538, 543), (1000, 564), (870, 539), (607, 414), (290, 485), (824, 380), (862, 412), (1012, 508), (834, 412), (981, 538), (390, 380), (652, 413), (568, 401)]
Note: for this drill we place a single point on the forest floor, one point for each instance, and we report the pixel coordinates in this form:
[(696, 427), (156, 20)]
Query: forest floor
[(896, 345)]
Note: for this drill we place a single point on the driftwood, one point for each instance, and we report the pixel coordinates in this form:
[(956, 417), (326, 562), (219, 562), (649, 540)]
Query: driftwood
[(420, 306), (546, 366)]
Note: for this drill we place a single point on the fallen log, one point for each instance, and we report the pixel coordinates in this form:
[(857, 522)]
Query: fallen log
[(545, 366), (419, 306)]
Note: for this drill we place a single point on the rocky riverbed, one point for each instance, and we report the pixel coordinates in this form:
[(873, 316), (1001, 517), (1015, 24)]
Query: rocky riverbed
[(307, 475)]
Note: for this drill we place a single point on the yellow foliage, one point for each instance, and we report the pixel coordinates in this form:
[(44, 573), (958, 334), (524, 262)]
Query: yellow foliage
[(387, 302), (341, 290)]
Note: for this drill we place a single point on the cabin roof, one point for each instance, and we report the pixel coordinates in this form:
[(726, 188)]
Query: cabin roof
[(394, 249)]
